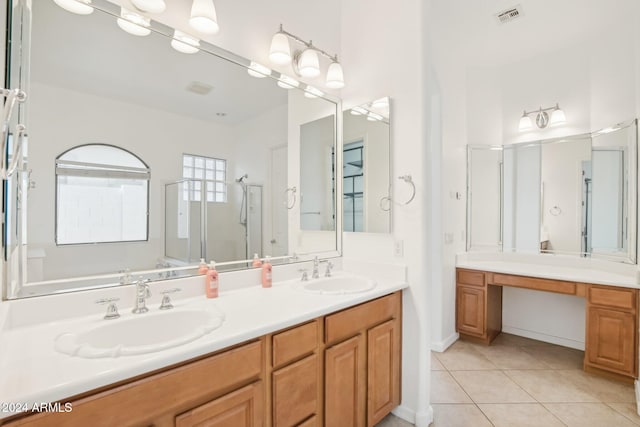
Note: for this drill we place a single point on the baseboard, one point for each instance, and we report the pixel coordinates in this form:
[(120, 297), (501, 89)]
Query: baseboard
[(637, 387), (565, 342), (425, 419), (441, 346), (407, 414)]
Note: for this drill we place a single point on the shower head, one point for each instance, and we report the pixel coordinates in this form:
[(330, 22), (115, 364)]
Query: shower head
[(242, 178)]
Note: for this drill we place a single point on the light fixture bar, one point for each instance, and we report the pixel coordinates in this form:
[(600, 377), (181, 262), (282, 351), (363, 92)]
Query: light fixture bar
[(308, 44)]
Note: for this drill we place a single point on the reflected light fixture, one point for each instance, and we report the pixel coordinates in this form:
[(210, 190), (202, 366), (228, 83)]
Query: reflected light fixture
[(183, 42), (287, 82), (381, 103), (358, 111), (151, 6), (306, 62), (258, 70), (133, 23), (374, 117), (542, 118), (312, 92), (79, 7), (203, 17)]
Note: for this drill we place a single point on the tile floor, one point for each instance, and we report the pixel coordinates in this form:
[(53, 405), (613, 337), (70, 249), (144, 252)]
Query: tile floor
[(518, 382)]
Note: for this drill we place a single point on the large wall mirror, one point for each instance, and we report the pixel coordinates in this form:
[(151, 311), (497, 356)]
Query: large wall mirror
[(367, 168), (570, 195), (218, 149)]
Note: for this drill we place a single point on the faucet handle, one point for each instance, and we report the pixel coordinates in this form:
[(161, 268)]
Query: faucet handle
[(166, 301), (305, 274), (112, 309), (327, 272)]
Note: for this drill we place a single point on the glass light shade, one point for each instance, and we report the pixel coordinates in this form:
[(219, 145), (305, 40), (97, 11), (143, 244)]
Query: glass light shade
[(358, 111), (184, 43), (309, 63), (287, 82), (133, 23), (381, 104), (151, 6), (258, 70), (312, 92), (373, 117), (335, 77), (79, 7), (557, 117), (525, 123), (280, 52), (203, 17)]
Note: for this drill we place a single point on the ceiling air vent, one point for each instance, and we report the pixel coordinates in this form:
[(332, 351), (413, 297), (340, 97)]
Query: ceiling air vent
[(199, 88), (509, 15)]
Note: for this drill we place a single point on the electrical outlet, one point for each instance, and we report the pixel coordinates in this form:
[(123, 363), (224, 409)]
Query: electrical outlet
[(398, 248)]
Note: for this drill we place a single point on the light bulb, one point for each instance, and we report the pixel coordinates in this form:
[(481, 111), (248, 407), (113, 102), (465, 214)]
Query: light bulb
[(203, 17), (79, 7), (280, 52), (184, 43), (258, 70), (525, 123), (133, 23), (309, 63), (358, 111), (151, 6), (373, 117), (335, 77), (287, 82), (312, 92)]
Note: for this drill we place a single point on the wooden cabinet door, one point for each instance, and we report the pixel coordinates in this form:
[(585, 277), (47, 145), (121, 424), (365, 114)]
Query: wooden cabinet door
[(470, 310), (383, 372), (241, 408), (345, 388), (295, 392), (611, 340)]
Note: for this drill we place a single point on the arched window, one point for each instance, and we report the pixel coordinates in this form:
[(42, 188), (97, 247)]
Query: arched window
[(102, 195)]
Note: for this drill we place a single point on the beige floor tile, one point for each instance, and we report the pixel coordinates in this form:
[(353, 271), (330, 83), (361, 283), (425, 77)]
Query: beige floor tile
[(393, 421), (605, 390), (510, 357), (515, 340), (491, 387), (557, 357), (435, 363), (464, 358), (520, 415), (458, 416), (444, 389), (629, 410), (550, 386), (588, 415)]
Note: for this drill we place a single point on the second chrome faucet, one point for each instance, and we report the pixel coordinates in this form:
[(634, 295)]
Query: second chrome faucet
[(142, 293)]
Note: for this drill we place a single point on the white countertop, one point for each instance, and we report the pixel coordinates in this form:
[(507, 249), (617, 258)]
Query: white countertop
[(32, 371), (556, 267)]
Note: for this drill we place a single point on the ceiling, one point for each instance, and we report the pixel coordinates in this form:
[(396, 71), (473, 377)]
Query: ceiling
[(92, 54)]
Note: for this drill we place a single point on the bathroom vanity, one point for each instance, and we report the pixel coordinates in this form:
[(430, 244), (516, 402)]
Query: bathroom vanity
[(611, 314)]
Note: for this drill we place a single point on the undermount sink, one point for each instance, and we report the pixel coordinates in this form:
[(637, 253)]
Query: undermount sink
[(337, 285), (139, 334)]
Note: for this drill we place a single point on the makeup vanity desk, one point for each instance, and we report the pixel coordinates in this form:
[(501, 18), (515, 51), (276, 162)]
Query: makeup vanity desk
[(611, 347)]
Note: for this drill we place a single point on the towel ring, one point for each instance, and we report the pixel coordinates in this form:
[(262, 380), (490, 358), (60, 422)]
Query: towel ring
[(292, 191), (386, 201)]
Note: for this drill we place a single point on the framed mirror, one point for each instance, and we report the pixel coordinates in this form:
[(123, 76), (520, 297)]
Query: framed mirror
[(217, 149), (573, 195), (367, 167)]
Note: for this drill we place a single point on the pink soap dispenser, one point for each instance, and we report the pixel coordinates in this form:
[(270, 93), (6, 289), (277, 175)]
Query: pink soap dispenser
[(256, 261), (266, 272), (203, 268), (212, 281)]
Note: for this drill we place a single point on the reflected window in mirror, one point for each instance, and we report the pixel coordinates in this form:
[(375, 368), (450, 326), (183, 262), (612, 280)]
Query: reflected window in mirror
[(101, 195), (208, 170), (353, 185)]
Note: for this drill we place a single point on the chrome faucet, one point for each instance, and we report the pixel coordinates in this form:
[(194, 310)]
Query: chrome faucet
[(316, 264), (305, 275), (327, 272), (142, 293), (112, 309)]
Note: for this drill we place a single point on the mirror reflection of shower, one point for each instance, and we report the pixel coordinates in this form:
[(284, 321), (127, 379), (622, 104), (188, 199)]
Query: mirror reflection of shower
[(243, 204), (250, 216)]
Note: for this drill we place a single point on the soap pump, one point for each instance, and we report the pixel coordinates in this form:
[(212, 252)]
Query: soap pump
[(256, 261), (203, 268), (267, 272), (211, 281)]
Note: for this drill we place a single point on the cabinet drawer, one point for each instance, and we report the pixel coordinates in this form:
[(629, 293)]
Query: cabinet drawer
[(295, 343), (470, 277), (534, 283), (296, 392), (612, 297), (140, 402), (349, 322)]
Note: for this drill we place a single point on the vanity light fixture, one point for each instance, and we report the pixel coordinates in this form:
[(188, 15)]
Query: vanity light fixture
[(381, 103), (184, 43), (542, 118), (133, 23), (79, 7), (312, 92), (374, 117), (306, 63), (287, 82), (151, 6), (203, 17), (358, 111), (258, 70)]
